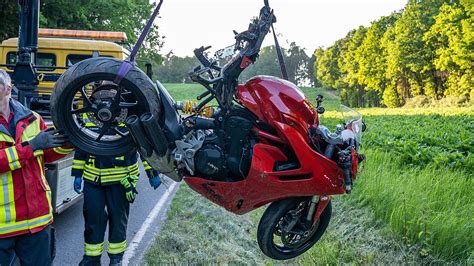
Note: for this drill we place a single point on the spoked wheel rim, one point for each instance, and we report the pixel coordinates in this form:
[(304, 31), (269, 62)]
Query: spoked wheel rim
[(296, 238), (96, 109)]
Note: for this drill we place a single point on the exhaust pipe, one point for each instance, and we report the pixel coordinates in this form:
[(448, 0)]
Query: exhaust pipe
[(138, 135), (148, 135), (154, 133)]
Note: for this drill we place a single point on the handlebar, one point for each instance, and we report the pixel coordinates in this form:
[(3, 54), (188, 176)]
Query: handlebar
[(199, 53)]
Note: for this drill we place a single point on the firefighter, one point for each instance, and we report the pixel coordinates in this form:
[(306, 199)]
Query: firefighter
[(25, 197), (109, 188)]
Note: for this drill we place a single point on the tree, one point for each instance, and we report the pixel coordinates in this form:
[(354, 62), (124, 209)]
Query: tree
[(9, 16), (413, 69), (327, 68), (453, 37), (175, 69), (426, 49), (110, 15), (266, 64), (372, 59), (352, 91), (296, 61), (313, 81)]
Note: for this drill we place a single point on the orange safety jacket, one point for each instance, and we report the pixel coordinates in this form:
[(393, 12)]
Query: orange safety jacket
[(25, 196)]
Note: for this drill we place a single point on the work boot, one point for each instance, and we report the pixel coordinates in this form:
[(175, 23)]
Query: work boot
[(87, 261), (116, 262)]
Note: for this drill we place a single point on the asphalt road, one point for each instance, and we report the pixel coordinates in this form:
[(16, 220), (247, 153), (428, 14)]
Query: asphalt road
[(70, 225)]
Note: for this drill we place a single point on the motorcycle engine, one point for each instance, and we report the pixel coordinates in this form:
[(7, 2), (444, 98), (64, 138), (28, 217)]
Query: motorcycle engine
[(209, 161), (201, 154)]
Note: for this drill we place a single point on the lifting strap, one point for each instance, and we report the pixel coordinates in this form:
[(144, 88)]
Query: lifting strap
[(284, 74)]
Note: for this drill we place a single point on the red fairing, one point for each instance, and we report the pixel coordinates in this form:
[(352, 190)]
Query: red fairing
[(354, 164), (276, 100), (316, 176)]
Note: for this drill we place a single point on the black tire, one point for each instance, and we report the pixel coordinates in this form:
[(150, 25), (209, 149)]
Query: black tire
[(273, 215), (104, 69)]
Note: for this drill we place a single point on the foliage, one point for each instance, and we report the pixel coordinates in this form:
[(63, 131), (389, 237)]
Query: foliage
[(419, 168), (175, 69), (299, 66), (296, 61), (427, 49), (453, 35), (212, 235), (429, 209), (441, 137), (109, 15), (10, 20)]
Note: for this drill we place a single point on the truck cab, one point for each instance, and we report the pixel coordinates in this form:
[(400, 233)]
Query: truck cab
[(57, 51)]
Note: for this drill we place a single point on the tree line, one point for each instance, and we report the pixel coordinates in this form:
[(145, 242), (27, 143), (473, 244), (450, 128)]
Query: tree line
[(175, 69), (107, 15), (425, 49)]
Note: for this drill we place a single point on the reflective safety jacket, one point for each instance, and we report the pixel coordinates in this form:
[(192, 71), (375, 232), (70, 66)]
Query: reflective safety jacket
[(25, 196), (105, 170)]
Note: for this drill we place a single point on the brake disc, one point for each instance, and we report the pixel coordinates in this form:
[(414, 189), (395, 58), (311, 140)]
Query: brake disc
[(106, 94)]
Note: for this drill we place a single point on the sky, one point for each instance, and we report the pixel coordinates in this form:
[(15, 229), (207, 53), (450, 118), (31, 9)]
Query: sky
[(189, 24)]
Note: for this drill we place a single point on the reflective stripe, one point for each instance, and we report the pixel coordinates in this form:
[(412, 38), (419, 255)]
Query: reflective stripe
[(27, 224), (89, 173), (93, 253), (32, 129), (6, 138), (78, 164), (38, 153), (94, 246), (107, 179), (116, 248), (61, 150), (6, 199), (146, 165), (13, 159), (93, 249), (108, 175), (107, 171)]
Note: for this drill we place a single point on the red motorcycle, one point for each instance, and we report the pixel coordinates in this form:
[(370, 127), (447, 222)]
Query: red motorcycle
[(262, 144)]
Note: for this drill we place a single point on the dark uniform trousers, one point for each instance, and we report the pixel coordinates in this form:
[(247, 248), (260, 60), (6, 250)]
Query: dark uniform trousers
[(102, 204), (105, 201), (29, 248)]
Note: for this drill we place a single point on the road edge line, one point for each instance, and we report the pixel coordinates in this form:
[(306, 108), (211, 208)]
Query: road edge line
[(130, 252)]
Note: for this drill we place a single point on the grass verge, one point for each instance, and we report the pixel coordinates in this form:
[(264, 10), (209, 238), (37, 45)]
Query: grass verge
[(200, 232), (430, 208)]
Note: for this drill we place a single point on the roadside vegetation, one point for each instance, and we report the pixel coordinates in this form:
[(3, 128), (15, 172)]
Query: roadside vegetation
[(412, 201), (423, 51)]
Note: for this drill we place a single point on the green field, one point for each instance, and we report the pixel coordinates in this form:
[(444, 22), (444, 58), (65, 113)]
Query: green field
[(412, 202)]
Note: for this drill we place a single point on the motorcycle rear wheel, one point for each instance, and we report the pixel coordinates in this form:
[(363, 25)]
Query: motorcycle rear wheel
[(86, 95), (269, 230)]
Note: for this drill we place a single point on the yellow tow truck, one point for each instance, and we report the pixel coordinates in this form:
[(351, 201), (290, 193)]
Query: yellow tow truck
[(58, 50)]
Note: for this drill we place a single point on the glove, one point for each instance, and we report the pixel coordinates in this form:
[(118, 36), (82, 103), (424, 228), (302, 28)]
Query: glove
[(130, 184), (155, 181), (50, 138), (77, 184)]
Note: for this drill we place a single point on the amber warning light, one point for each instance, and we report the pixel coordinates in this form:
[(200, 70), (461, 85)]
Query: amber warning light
[(84, 34)]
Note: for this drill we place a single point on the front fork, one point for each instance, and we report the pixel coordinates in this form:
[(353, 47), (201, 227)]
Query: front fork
[(316, 207), (345, 161)]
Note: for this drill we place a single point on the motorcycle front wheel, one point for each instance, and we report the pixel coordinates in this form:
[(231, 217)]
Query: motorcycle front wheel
[(92, 109), (284, 234)]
